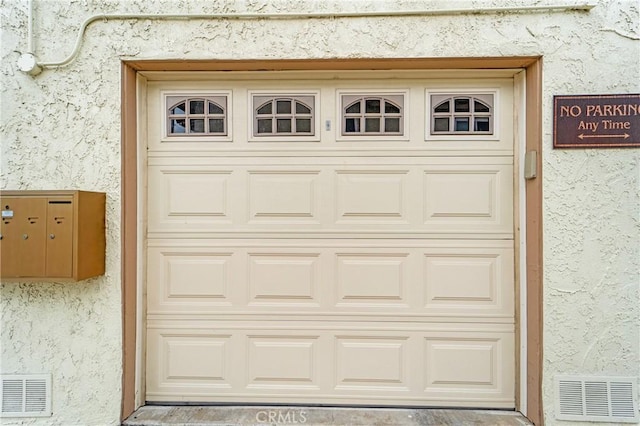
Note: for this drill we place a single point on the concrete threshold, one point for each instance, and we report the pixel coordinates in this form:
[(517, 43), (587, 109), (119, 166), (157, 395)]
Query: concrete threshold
[(151, 415)]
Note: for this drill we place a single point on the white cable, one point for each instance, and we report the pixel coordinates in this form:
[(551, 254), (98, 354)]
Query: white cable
[(584, 7), (30, 28)]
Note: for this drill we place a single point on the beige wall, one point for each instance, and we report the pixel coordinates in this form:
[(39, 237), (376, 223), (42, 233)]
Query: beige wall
[(62, 130)]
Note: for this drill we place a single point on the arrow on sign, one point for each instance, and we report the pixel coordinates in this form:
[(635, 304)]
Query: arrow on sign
[(583, 136)]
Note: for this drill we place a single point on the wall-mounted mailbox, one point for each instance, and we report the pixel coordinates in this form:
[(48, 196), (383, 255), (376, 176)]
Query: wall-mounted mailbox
[(52, 235)]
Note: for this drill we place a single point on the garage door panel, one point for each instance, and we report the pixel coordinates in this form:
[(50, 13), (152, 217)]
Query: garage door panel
[(325, 363), (371, 196), (469, 364), (372, 363), (416, 88), (283, 279), (285, 362), (198, 276), (455, 194), (197, 194), (469, 279), (456, 199), (188, 360), (462, 362), (373, 279), (283, 197), (188, 195), (192, 278), (196, 360), (471, 198)]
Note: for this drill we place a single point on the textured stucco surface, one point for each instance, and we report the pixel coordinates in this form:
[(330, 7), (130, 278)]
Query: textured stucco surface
[(62, 130)]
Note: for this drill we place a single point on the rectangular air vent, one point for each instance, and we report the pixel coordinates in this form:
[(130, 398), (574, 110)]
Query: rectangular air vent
[(599, 399), (25, 395)]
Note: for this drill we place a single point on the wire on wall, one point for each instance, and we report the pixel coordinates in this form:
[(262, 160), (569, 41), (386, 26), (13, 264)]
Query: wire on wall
[(28, 62)]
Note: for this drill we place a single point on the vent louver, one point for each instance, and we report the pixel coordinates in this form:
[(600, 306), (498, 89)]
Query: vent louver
[(25, 395), (600, 399)]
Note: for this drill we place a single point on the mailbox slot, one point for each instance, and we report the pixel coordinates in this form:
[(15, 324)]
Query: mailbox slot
[(59, 239)]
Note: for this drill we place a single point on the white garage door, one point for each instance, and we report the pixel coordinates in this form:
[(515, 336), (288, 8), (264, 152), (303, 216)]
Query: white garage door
[(341, 239)]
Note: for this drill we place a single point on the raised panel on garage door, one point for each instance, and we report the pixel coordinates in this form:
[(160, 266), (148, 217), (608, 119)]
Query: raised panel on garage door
[(461, 197), (404, 278)]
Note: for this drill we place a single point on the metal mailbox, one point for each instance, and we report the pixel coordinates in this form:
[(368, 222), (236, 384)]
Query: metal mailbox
[(52, 235)]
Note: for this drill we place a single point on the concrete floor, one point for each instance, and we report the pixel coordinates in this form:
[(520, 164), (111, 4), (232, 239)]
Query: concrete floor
[(293, 415)]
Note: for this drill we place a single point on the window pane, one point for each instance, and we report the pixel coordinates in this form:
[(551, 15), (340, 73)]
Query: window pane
[(441, 124), (462, 124), (390, 108), (392, 125), (284, 125), (178, 109), (352, 125), (302, 108), (372, 106), (196, 107), (481, 124), (443, 107), (372, 125), (196, 126), (216, 125), (303, 125), (462, 105), (177, 126), (354, 108), (264, 126), (480, 107), (283, 107), (265, 109), (215, 108)]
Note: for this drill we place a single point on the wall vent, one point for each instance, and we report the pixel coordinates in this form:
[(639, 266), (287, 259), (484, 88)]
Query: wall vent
[(598, 399), (25, 395)]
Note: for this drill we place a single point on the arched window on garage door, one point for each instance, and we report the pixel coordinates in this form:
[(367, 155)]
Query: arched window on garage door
[(372, 115), (196, 116), (462, 114), (283, 116)]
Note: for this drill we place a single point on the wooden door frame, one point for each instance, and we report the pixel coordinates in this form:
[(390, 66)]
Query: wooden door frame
[(533, 188)]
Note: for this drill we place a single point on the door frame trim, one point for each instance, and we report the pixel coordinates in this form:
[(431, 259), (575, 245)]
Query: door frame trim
[(129, 191)]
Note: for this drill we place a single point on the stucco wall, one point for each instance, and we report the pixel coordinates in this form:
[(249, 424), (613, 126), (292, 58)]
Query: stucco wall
[(62, 130)]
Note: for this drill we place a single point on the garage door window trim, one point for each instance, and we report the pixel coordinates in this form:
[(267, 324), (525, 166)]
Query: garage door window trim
[(372, 115), (284, 116), (462, 115), (196, 116)]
